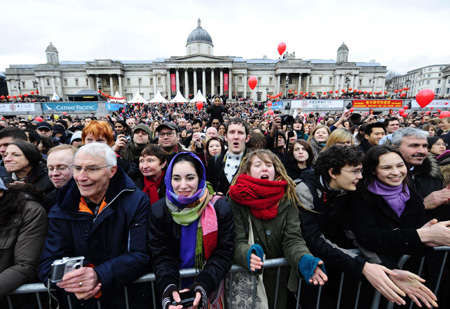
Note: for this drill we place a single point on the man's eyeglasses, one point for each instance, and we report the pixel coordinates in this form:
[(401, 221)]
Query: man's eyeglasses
[(355, 172), (88, 169), (168, 134), (60, 168)]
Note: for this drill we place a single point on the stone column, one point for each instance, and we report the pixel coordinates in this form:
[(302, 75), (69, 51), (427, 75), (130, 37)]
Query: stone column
[(111, 84), (307, 82), (221, 81), (186, 84), (61, 92), (245, 86), (177, 74), (278, 83), (230, 78), (355, 82), (169, 86), (53, 84), (155, 80), (204, 82), (213, 91), (336, 84), (299, 83), (342, 82), (121, 86), (42, 85), (195, 82), (89, 82)]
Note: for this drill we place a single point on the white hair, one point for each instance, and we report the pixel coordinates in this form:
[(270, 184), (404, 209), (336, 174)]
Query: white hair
[(99, 150)]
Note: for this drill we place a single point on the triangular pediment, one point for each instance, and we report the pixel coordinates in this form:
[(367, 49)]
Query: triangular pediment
[(446, 69), (199, 58)]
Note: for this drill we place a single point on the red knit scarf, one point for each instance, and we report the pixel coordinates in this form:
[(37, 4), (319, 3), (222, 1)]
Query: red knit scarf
[(260, 195), (151, 188)]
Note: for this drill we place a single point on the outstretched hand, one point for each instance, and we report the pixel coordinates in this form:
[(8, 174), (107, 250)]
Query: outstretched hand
[(412, 285), (319, 277)]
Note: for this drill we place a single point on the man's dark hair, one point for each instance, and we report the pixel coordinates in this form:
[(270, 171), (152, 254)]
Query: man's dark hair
[(240, 121), (369, 127), (16, 133), (390, 120), (197, 121), (336, 158)]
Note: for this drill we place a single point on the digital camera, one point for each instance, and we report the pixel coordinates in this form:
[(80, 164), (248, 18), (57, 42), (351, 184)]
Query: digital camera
[(64, 266)]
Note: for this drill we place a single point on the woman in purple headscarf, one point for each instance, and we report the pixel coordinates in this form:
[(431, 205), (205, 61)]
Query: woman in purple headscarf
[(190, 228)]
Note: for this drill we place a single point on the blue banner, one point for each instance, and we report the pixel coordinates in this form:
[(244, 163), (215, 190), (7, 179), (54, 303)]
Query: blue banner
[(114, 107), (277, 105), (64, 107)]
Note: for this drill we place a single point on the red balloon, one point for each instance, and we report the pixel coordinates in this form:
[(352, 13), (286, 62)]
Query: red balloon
[(14, 97), (427, 113), (295, 92), (26, 95), (199, 105), (39, 118), (395, 91), (290, 90), (401, 111), (252, 82), (365, 92), (439, 110), (65, 113), (405, 107), (324, 93), (360, 91), (424, 97), (20, 96), (8, 97), (343, 90), (444, 114), (404, 115), (351, 110), (32, 92), (370, 92), (331, 91), (385, 92), (2, 97), (313, 93), (431, 108), (349, 89), (306, 93), (281, 48), (37, 91), (270, 112), (337, 91), (301, 92)]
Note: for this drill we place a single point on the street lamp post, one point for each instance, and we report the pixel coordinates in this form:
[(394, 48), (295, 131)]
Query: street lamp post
[(36, 85), (18, 85), (347, 81), (139, 82), (99, 87), (267, 92)]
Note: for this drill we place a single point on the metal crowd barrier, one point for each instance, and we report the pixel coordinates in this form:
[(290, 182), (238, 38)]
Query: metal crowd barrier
[(38, 288)]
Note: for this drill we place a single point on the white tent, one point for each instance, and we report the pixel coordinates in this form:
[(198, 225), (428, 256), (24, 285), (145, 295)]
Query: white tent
[(198, 97), (179, 98), (158, 99), (138, 99), (117, 100), (54, 98)]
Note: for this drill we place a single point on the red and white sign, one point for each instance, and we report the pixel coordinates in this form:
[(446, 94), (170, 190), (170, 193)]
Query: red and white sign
[(173, 82), (225, 82)]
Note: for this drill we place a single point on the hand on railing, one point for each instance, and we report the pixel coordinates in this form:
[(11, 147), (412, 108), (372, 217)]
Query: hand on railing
[(435, 234), (412, 285), (84, 282), (377, 276)]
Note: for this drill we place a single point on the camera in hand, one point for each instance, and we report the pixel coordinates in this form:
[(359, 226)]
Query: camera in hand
[(187, 300), (287, 119), (64, 266)]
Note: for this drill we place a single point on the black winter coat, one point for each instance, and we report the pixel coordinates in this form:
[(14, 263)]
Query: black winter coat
[(164, 243), (378, 229)]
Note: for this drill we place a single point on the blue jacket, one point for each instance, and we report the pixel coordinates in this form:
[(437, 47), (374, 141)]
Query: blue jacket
[(114, 241)]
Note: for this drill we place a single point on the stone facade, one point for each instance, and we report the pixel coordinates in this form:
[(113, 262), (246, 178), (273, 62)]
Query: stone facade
[(199, 69)]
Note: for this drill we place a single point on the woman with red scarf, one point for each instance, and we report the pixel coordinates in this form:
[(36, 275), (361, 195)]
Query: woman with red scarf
[(150, 176), (263, 194)]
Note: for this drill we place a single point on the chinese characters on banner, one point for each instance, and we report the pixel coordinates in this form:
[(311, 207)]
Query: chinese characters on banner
[(377, 103), (173, 82), (225, 82)]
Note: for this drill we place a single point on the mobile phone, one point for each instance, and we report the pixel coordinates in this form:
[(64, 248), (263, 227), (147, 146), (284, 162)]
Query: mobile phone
[(187, 299)]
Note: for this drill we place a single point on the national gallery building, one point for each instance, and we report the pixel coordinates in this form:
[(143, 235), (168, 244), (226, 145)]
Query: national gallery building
[(199, 69)]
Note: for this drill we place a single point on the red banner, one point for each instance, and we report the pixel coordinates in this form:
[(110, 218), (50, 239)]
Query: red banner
[(377, 103), (173, 82), (225, 82)]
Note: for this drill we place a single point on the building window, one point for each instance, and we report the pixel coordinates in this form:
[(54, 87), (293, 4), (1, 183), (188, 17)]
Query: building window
[(65, 82), (437, 90), (330, 81), (240, 79), (258, 96), (107, 82), (429, 69), (87, 82), (320, 80), (128, 82), (48, 81), (428, 75), (448, 90), (159, 80), (428, 82), (270, 80), (439, 81), (151, 83), (23, 85), (360, 81), (76, 82)]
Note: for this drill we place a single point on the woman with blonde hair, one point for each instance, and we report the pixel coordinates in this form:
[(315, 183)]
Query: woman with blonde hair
[(340, 136), (263, 195)]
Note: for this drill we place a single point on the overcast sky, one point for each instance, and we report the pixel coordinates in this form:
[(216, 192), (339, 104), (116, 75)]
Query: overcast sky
[(403, 35)]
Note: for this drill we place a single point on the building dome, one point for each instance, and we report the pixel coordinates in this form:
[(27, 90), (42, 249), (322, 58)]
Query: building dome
[(51, 48), (199, 35), (343, 47)]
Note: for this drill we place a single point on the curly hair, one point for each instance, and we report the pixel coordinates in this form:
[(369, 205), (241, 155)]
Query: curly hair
[(280, 172), (336, 158), (14, 199)]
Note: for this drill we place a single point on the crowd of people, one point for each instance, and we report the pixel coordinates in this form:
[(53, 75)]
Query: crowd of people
[(165, 188)]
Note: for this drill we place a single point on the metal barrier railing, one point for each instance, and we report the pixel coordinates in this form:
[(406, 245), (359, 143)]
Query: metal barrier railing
[(38, 288)]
